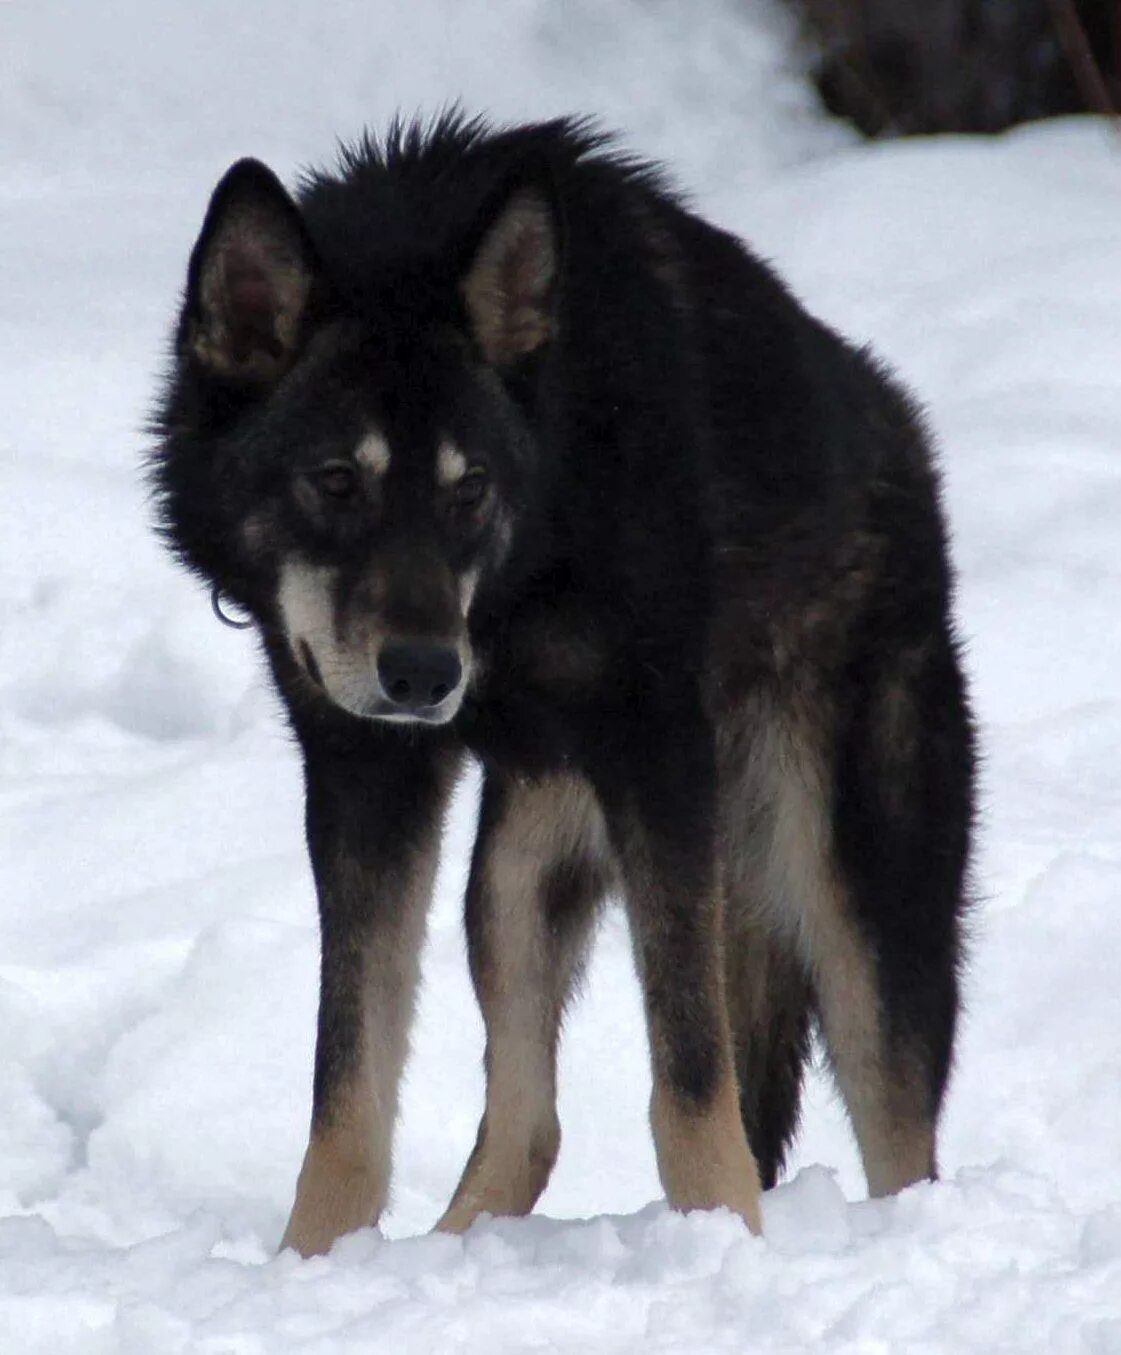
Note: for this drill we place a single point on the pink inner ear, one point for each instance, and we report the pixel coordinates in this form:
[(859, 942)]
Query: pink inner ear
[(250, 303)]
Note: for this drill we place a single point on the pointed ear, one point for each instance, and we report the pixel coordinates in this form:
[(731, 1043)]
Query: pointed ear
[(508, 288), (250, 276)]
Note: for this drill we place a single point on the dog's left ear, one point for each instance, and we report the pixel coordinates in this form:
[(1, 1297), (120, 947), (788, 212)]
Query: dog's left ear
[(249, 280), (508, 288)]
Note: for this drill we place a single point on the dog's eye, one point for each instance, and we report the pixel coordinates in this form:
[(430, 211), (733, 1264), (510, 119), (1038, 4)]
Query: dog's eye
[(336, 480), (470, 490)]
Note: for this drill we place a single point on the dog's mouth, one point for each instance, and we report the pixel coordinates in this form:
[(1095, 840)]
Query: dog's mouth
[(387, 713)]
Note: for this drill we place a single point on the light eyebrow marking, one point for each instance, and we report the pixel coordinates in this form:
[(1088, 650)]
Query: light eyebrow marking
[(451, 464), (373, 453)]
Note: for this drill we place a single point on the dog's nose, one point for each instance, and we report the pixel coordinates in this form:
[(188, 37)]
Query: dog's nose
[(416, 675)]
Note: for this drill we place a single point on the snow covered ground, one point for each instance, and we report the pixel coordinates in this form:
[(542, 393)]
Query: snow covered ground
[(157, 932)]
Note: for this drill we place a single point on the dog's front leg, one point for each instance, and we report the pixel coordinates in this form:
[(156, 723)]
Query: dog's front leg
[(373, 829), (658, 792), (539, 871)]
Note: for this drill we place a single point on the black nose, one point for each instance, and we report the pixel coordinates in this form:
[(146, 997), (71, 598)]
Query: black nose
[(418, 675)]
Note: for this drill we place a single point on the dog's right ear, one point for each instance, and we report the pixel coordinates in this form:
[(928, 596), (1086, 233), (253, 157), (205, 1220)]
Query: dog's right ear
[(509, 285), (249, 280)]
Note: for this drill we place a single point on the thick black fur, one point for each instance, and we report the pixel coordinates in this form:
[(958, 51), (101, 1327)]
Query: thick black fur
[(715, 509)]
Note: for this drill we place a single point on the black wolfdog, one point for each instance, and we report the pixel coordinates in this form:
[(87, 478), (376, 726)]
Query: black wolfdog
[(505, 451)]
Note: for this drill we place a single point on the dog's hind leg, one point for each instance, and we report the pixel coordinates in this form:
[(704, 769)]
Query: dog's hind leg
[(373, 834), (883, 1079), (886, 974), (808, 892), (659, 795), (540, 868), (870, 830)]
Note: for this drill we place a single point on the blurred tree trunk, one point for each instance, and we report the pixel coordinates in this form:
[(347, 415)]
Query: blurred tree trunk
[(899, 67)]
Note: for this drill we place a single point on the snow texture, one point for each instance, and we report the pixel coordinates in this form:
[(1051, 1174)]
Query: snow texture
[(158, 945)]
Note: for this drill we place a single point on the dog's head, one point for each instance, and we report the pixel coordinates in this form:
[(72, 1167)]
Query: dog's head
[(350, 464)]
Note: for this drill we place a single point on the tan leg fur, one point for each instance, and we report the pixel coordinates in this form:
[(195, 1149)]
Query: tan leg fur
[(344, 1180), (524, 962)]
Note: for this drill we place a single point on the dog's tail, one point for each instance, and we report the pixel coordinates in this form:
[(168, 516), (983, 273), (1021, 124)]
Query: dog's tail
[(770, 1005)]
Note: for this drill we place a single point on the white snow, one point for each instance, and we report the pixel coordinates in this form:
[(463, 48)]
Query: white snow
[(157, 929)]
